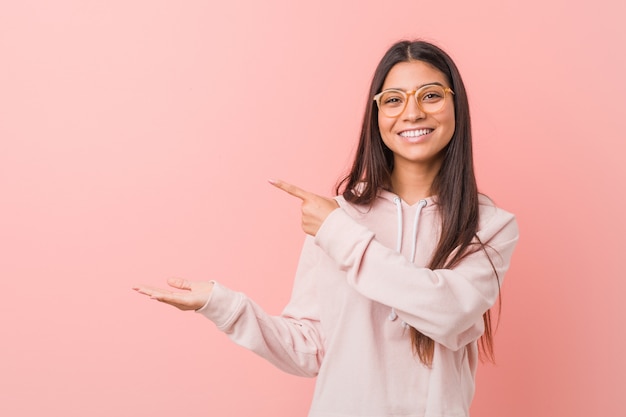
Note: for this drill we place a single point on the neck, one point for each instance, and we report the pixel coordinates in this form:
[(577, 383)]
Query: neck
[(413, 182)]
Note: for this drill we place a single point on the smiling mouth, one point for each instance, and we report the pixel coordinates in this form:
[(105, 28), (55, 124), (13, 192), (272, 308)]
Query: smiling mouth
[(415, 133)]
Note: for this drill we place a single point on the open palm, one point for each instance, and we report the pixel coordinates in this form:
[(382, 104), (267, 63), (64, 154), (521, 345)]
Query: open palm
[(195, 294)]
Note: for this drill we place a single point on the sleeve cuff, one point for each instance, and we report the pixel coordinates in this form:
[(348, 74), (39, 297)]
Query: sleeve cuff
[(222, 306)]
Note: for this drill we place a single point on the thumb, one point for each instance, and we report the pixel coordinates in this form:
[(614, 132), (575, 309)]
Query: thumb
[(181, 284)]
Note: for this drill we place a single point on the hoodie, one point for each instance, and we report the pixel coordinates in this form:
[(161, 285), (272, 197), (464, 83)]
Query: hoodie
[(360, 283)]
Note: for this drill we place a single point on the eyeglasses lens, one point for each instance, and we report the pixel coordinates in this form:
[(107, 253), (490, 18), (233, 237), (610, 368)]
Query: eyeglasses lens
[(430, 99)]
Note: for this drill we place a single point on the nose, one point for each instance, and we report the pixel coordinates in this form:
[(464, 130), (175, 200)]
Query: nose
[(412, 111)]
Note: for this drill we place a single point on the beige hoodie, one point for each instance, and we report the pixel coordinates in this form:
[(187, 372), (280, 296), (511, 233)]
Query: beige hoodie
[(360, 283)]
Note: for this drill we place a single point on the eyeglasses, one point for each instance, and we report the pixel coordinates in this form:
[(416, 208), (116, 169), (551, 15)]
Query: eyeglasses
[(430, 99)]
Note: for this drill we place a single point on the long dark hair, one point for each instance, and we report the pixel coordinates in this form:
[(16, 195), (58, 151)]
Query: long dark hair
[(454, 185)]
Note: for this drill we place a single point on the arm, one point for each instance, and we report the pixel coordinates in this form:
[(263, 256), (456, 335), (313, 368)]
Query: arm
[(445, 304), (291, 341)]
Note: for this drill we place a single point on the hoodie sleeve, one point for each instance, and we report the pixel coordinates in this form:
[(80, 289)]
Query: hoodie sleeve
[(447, 305), (291, 341)]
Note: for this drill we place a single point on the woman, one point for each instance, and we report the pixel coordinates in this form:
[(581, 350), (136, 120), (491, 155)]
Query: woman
[(398, 273)]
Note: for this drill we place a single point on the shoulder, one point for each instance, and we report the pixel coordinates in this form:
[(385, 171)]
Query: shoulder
[(495, 221), (353, 210), (381, 205)]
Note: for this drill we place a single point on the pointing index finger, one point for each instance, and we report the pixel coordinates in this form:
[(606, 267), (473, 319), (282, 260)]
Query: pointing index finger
[(290, 189)]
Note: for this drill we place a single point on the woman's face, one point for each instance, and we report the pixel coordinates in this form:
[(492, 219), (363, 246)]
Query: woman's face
[(416, 137)]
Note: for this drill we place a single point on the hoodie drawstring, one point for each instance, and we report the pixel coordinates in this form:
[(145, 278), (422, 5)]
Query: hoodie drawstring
[(398, 202), (416, 221)]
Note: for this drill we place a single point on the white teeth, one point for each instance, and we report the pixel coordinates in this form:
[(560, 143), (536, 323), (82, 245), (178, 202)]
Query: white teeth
[(415, 133)]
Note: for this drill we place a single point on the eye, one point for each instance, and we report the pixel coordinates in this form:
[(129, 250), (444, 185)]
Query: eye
[(392, 99), (431, 95)]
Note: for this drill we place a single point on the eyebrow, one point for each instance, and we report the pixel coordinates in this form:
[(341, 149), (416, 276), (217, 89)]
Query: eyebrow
[(418, 87)]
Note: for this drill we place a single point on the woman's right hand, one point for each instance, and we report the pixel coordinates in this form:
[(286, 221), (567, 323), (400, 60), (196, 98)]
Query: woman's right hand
[(195, 295)]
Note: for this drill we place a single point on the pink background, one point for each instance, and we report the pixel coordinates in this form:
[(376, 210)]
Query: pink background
[(136, 138)]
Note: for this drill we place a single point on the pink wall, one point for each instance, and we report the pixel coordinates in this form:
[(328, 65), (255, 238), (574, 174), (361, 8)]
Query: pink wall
[(136, 138)]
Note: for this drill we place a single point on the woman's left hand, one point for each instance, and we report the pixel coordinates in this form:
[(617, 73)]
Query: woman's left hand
[(195, 294), (315, 208)]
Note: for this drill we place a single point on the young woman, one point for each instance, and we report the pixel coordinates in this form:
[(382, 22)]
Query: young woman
[(398, 272)]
